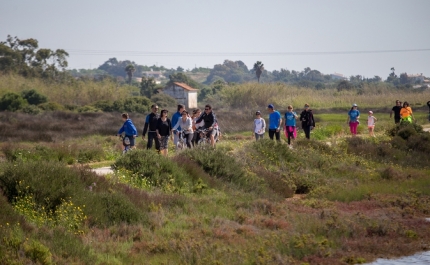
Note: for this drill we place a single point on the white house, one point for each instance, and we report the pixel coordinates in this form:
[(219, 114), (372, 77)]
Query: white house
[(183, 93), (337, 76)]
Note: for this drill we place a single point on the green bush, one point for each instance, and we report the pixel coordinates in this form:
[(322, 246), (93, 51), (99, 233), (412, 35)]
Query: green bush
[(159, 171), (104, 105), (38, 252), (31, 109), (218, 164), (132, 104), (163, 100), (11, 102), (51, 106), (33, 97)]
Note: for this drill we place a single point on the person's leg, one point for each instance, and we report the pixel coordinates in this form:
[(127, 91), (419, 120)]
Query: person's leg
[(150, 139), (257, 136), (354, 128), (189, 138), (278, 135), (307, 130), (212, 134), (351, 127), (175, 139), (271, 133)]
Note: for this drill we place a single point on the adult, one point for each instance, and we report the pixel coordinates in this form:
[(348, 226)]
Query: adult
[(175, 119), (396, 110), (308, 121), (259, 126), (275, 122), (186, 125), (428, 104), (150, 126), (406, 113), (290, 124), (163, 129), (128, 128), (353, 119), (209, 122), (195, 116)]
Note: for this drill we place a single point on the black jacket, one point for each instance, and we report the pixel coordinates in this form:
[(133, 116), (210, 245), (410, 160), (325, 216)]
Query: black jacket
[(307, 118), (151, 122), (209, 119)]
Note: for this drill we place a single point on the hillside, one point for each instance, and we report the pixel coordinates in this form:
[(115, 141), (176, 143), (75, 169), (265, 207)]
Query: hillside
[(245, 202)]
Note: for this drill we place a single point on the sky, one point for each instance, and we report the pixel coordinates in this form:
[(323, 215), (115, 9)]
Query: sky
[(351, 37)]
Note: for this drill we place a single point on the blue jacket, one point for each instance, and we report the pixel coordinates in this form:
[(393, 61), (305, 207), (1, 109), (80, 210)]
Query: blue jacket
[(175, 119), (128, 128)]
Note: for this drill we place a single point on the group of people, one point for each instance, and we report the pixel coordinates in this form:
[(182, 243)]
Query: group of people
[(289, 127), (160, 128)]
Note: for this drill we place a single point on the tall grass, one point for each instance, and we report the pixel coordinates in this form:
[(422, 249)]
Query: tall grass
[(252, 96)]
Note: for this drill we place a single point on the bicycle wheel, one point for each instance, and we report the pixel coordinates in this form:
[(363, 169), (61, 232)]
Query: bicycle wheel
[(180, 145)]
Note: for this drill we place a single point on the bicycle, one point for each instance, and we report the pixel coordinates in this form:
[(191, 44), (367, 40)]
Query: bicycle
[(204, 138), (181, 144), (125, 143)]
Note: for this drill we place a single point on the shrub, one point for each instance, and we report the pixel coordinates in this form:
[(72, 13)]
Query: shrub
[(163, 100), (38, 252), (31, 109), (132, 104), (11, 102), (51, 106), (159, 171), (104, 105), (33, 97), (218, 164)]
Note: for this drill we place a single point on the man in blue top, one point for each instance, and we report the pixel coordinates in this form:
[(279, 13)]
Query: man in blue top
[(275, 121), (175, 119)]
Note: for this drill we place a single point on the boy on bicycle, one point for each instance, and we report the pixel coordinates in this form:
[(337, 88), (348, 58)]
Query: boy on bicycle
[(129, 129)]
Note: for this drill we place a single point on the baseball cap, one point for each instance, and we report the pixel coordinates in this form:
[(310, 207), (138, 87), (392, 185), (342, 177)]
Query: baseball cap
[(354, 105), (371, 112), (270, 106), (258, 112)]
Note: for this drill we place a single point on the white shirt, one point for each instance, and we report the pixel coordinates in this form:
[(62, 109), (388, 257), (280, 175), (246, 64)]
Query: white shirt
[(370, 121), (259, 125)]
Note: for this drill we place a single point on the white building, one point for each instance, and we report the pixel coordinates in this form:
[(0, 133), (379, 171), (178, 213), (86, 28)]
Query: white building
[(337, 76), (183, 93)]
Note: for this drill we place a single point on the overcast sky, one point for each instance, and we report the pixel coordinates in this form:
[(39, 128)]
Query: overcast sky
[(365, 37)]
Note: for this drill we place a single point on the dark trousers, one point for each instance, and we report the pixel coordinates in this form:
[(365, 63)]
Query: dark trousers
[(189, 139), (274, 132), (307, 130), (152, 136)]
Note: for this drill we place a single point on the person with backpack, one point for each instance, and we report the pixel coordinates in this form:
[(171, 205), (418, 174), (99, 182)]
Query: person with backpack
[(259, 126), (290, 124), (308, 121), (150, 126), (129, 130)]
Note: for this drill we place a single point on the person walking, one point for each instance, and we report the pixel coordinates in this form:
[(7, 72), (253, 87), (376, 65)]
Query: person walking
[(175, 119), (129, 130), (186, 125), (428, 105), (163, 129), (275, 122), (406, 113), (308, 121), (150, 126), (371, 120), (353, 119), (396, 111), (290, 124), (259, 126)]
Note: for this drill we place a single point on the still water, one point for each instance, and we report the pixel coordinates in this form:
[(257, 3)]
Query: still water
[(422, 258)]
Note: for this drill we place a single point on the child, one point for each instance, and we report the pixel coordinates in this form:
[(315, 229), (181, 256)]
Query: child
[(371, 123), (259, 126), (129, 129)]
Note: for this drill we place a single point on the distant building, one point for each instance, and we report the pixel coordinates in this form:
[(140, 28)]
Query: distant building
[(183, 93), (417, 78), (337, 76), (154, 74)]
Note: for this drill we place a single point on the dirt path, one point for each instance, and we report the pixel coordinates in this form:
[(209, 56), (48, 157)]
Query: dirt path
[(103, 170)]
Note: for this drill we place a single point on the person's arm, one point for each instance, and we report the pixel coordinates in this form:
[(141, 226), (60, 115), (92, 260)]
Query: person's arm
[(280, 122), (145, 128), (213, 120)]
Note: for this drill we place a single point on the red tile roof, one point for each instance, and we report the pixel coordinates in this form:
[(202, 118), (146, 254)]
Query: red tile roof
[(185, 86)]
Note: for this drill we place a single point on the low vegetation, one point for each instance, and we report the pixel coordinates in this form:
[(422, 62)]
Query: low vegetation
[(337, 200)]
